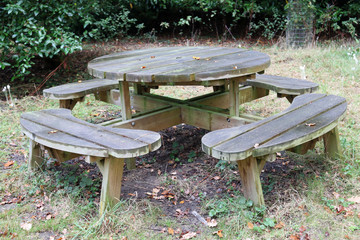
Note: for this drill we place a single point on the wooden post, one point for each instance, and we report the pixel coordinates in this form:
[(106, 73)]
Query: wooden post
[(70, 103), (234, 96), (126, 113), (112, 171), (250, 179), (332, 144), (35, 156)]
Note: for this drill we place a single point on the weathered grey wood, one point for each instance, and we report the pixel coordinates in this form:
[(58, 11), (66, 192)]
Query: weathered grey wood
[(36, 158), (179, 64), (332, 144), (305, 120), (111, 184), (80, 89), (283, 85), (57, 128), (297, 128), (249, 170)]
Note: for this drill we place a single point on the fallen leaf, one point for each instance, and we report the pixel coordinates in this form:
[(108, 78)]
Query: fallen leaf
[(302, 229), (124, 238), (355, 199), (55, 131), (196, 58), (219, 233), (79, 81), (143, 67), (327, 209), (250, 225), (216, 178), (171, 231), (182, 202), (235, 67), (188, 235), (256, 145), (26, 226), (212, 223), (340, 209), (294, 237), (310, 124), (9, 163), (347, 237), (48, 217), (280, 225), (152, 57)]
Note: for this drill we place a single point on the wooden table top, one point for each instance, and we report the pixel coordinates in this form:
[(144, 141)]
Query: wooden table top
[(179, 64)]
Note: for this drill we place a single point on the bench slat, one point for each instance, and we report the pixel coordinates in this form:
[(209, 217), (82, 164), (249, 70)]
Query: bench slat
[(61, 141), (217, 137), (241, 145), (303, 133), (116, 143), (80, 89), (283, 85)]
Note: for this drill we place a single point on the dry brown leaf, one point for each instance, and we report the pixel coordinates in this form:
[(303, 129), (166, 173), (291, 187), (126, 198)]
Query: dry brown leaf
[(196, 58), (327, 209), (9, 163), (355, 199), (347, 237), (55, 131), (182, 202), (235, 67), (294, 237), (188, 235), (216, 178), (48, 217), (280, 225), (171, 231), (26, 226), (250, 225), (219, 233), (152, 57), (310, 124), (124, 238), (212, 223), (143, 67)]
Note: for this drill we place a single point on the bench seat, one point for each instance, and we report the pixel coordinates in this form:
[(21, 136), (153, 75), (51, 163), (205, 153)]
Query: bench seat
[(65, 137), (283, 86), (71, 93), (309, 117)]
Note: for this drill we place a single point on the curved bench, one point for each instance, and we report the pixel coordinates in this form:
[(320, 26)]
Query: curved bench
[(66, 137), (283, 86), (309, 117), (71, 93)]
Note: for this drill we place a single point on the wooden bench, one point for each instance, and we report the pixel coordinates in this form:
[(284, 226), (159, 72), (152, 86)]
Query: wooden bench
[(283, 86), (66, 137), (71, 93), (309, 118)]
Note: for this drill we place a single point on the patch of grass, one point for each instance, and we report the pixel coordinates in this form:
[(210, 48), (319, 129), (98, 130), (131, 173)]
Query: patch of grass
[(315, 200)]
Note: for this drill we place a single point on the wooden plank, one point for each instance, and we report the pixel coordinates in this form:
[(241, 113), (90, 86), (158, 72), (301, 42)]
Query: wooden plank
[(305, 132), (74, 135), (111, 183), (235, 65), (36, 158), (155, 121), (80, 89), (283, 85), (70, 103), (250, 180), (208, 119), (61, 156), (234, 96), (239, 143)]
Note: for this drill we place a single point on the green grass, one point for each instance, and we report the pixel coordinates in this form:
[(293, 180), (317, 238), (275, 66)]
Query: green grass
[(318, 187)]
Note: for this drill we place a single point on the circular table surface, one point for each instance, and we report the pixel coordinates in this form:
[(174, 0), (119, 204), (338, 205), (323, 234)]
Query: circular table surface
[(179, 64)]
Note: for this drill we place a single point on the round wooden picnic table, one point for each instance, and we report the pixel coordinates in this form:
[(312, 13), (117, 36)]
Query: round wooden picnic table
[(179, 64)]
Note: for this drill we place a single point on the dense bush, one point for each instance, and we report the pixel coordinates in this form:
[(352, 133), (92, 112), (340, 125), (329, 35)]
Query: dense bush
[(53, 29)]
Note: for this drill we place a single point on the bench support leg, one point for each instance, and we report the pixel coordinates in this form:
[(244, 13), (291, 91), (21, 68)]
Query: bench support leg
[(70, 103), (250, 179), (111, 183), (332, 143), (35, 156)]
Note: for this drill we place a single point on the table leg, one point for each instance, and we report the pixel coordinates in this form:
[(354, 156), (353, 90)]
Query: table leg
[(234, 96), (35, 156), (126, 114)]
